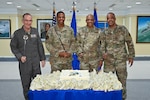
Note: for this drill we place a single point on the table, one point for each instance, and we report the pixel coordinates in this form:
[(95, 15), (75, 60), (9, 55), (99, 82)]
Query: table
[(74, 95)]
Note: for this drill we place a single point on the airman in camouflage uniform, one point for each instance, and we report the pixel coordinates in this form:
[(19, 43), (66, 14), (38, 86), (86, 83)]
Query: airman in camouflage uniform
[(114, 41), (88, 39), (60, 43)]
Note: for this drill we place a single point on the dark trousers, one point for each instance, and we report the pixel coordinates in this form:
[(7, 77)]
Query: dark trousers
[(28, 71)]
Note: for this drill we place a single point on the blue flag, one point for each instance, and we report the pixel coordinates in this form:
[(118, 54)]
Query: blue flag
[(75, 62), (95, 17), (73, 23)]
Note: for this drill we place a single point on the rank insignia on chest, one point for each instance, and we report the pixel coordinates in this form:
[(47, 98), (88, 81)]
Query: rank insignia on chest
[(33, 35)]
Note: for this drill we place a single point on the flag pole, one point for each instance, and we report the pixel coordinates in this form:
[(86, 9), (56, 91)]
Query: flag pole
[(73, 21), (95, 15), (73, 5), (53, 4), (75, 61), (54, 16), (94, 5)]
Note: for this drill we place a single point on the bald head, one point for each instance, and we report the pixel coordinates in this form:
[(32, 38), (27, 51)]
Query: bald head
[(90, 20), (111, 19), (90, 16), (112, 14)]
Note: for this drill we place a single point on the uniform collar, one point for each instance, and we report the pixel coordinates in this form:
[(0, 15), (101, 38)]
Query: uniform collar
[(62, 29)]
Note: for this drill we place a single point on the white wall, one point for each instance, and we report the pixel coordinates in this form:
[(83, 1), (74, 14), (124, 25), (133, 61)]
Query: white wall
[(10, 70), (139, 70)]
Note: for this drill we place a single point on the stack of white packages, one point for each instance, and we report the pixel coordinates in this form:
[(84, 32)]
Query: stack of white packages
[(76, 79)]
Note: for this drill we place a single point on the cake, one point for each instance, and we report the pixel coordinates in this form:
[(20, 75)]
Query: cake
[(76, 79), (74, 74)]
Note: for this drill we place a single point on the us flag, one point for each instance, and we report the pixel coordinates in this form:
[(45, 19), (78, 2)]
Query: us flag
[(54, 15)]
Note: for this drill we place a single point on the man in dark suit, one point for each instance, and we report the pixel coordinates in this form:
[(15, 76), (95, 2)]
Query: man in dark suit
[(26, 45)]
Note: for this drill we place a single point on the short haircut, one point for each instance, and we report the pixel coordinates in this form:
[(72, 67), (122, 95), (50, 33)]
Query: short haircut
[(112, 14), (26, 14), (60, 12)]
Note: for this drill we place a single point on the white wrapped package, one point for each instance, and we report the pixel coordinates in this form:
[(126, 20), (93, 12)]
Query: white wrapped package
[(76, 79)]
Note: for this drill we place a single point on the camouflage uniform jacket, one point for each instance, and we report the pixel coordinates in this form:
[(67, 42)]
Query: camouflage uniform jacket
[(89, 43), (114, 43), (57, 39)]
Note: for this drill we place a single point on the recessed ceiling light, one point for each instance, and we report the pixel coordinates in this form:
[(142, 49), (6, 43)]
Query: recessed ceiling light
[(138, 3), (9, 3), (38, 9), (110, 8), (62, 9), (86, 9), (129, 6), (18, 6)]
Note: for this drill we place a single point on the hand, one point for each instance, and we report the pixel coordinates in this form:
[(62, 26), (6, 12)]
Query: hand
[(100, 63), (64, 54), (67, 55), (104, 55), (23, 59), (43, 63), (130, 61)]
